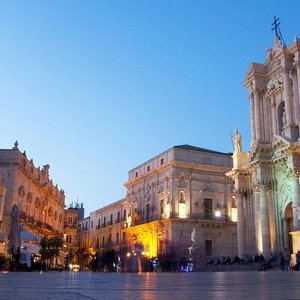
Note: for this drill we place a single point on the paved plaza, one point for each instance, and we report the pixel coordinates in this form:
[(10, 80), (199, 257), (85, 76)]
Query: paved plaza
[(204, 285)]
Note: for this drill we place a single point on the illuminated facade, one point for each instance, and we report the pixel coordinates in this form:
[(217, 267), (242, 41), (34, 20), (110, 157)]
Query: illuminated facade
[(267, 178), (41, 204), (181, 203), (71, 217), (103, 231), (111, 220)]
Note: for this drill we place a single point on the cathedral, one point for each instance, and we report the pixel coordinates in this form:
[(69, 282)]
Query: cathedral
[(266, 179)]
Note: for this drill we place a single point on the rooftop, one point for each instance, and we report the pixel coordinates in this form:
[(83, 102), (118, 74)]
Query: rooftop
[(189, 147)]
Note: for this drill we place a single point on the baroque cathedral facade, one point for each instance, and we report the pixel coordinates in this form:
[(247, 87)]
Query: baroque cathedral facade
[(266, 178)]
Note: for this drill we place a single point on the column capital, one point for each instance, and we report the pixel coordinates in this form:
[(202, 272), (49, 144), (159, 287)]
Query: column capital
[(293, 172), (263, 184), (296, 62), (242, 192)]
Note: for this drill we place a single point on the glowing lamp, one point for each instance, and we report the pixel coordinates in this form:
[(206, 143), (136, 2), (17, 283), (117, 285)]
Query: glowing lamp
[(234, 214), (182, 210), (218, 214)]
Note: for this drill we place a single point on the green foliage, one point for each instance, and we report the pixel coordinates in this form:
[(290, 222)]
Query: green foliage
[(50, 247)]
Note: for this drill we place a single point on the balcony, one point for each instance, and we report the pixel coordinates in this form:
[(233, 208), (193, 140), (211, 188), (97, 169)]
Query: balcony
[(209, 217)]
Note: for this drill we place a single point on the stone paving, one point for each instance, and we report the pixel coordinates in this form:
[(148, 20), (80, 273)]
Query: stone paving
[(202, 285)]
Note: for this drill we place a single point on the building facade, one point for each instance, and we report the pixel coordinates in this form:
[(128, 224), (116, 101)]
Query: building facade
[(71, 217), (267, 178), (180, 203), (40, 202)]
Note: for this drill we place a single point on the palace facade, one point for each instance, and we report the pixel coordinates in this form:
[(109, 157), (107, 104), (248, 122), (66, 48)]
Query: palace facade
[(40, 202), (267, 178), (181, 203)]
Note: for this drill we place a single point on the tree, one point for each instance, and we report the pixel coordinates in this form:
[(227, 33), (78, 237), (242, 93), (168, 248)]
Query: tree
[(50, 247)]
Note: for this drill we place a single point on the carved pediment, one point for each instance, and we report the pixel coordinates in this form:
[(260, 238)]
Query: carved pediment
[(209, 190)]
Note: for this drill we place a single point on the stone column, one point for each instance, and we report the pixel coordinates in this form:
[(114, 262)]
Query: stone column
[(297, 63), (295, 97), (188, 199), (287, 96), (285, 233), (252, 116), (257, 116), (295, 199), (228, 199), (265, 225), (2, 198), (171, 199), (274, 119), (257, 218), (240, 224)]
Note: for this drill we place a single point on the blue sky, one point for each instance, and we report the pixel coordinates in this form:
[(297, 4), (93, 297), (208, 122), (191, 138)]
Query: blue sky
[(95, 88)]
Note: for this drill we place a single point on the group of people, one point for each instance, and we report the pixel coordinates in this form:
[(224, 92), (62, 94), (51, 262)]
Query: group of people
[(265, 262), (224, 260)]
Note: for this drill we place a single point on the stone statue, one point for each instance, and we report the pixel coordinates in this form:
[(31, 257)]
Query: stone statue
[(237, 140), (193, 235)]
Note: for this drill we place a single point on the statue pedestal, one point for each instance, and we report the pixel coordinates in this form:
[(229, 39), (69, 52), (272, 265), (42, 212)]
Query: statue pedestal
[(296, 245)]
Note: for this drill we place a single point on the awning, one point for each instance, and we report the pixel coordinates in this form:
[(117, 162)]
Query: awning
[(32, 248), (27, 236)]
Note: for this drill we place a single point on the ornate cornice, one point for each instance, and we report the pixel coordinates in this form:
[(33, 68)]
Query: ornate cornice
[(177, 164)]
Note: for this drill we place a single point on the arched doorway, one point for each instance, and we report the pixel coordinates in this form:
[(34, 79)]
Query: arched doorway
[(288, 215)]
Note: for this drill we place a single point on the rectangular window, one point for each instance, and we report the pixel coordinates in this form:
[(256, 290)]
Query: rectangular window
[(109, 238), (104, 221), (111, 219), (162, 161), (117, 238), (208, 247), (161, 207), (118, 217), (208, 209), (92, 224), (103, 241), (136, 174), (124, 215), (148, 168)]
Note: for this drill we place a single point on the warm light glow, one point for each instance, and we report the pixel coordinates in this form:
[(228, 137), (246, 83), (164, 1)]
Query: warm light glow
[(128, 254), (182, 210), (234, 214), (218, 214), (167, 210), (74, 267), (129, 221)]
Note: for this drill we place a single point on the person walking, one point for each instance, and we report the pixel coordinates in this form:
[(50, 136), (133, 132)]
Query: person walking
[(297, 261)]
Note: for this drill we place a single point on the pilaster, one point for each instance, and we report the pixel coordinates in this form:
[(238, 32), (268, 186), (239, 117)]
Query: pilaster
[(241, 233)]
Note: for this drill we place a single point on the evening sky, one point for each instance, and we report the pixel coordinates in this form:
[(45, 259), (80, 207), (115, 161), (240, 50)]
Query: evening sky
[(95, 88)]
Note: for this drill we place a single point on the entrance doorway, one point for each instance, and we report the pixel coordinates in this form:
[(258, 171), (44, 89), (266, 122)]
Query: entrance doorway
[(289, 225)]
